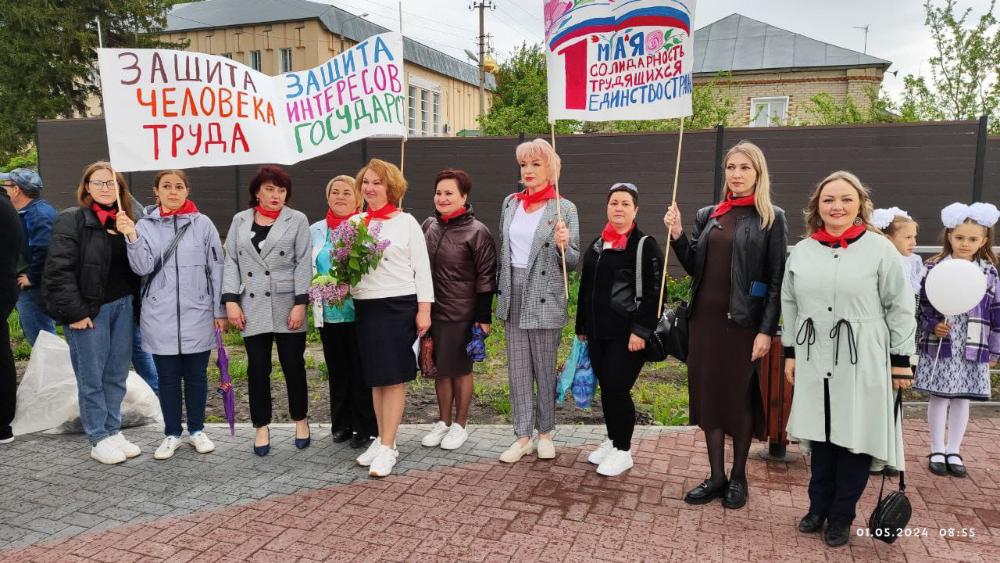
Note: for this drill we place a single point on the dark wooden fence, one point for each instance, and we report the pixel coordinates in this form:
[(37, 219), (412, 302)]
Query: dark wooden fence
[(919, 167)]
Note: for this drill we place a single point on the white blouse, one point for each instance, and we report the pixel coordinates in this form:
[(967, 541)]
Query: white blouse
[(405, 268), (913, 265), (522, 234)]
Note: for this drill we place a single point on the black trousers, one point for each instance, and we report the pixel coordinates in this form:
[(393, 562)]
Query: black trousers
[(616, 369), (350, 399), (837, 482), (8, 374), (291, 355)]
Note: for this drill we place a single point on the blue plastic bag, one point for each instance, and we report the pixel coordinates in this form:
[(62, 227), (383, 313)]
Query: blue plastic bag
[(584, 381), (476, 348), (565, 381)]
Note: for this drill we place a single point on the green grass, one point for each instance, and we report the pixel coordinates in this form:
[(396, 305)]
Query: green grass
[(667, 403), (496, 396)]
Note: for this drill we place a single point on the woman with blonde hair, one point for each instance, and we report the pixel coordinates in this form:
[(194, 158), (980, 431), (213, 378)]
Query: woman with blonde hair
[(848, 331), (531, 297), (89, 288), (352, 416), (393, 305), (735, 256)]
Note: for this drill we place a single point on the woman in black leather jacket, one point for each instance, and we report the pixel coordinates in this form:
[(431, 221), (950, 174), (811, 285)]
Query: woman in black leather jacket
[(617, 318), (736, 259)]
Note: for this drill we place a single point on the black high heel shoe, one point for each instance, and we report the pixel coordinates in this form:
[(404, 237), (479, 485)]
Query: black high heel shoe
[(266, 448), (303, 443)]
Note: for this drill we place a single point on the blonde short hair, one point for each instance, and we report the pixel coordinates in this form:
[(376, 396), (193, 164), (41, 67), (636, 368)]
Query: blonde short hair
[(811, 213), (395, 183), (541, 149), (358, 199)]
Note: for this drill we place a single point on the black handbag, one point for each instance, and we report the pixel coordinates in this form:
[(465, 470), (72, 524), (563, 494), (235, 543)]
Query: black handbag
[(670, 337), (892, 513)]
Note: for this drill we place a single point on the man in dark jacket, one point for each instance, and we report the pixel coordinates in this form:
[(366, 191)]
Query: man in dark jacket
[(24, 188), (10, 233)]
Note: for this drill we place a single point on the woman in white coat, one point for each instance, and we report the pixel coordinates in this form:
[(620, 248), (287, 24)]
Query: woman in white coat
[(848, 327)]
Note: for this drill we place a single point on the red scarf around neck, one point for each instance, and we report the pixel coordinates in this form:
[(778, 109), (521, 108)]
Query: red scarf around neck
[(731, 202), (617, 241), (333, 220), (822, 235), (104, 214), (381, 214), (454, 214), (267, 213), (529, 199), (187, 207)]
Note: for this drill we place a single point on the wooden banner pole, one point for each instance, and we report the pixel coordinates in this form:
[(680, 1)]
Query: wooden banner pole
[(673, 201), (562, 250)]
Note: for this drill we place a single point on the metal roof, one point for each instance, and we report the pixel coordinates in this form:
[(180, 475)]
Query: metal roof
[(235, 13), (737, 43)]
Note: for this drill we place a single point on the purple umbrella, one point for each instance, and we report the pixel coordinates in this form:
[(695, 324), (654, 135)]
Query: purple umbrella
[(225, 389)]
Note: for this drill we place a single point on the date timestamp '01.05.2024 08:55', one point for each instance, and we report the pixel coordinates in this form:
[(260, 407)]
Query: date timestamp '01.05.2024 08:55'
[(920, 532)]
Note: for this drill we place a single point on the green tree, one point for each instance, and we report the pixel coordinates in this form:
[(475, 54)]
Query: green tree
[(48, 60), (824, 109), (520, 102), (965, 67)]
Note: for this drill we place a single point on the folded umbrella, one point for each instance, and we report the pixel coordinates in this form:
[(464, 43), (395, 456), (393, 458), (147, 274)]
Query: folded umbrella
[(225, 389)]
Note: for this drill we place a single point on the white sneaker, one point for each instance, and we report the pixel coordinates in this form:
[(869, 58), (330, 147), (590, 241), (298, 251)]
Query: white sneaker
[(455, 438), (7, 440), (366, 459), (384, 462), (107, 452), (616, 463), (167, 448), (437, 433), (602, 451), (128, 448), (201, 442)]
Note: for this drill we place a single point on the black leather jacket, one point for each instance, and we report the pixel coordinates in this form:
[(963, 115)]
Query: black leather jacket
[(758, 256)]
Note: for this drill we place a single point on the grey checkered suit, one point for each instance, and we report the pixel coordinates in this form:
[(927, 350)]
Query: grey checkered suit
[(269, 282), (532, 304)]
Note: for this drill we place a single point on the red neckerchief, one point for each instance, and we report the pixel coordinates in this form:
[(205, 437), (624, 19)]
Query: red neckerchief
[(731, 202), (456, 213), (381, 214), (528, 199), (843, 240), (188, 207), (104, 214), (618, 241), (266, 213), (333, 220)]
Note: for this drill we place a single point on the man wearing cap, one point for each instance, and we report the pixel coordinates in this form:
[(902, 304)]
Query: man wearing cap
[(24, 188), (11, 235)]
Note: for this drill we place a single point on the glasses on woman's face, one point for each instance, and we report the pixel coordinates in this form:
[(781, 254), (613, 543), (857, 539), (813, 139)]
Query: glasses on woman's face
[(99, 185)]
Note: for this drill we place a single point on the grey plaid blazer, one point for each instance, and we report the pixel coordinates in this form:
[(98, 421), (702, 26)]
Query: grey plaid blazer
[(543, 304), (269, 283)]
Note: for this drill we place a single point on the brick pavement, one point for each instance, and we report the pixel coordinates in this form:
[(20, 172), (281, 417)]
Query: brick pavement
[(314, 505)]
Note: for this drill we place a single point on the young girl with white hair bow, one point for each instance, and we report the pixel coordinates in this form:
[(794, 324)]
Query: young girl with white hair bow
[(957, 351)]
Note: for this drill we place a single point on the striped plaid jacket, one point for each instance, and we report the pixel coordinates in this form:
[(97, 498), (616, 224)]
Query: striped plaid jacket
[(983, 341), (543, 303)]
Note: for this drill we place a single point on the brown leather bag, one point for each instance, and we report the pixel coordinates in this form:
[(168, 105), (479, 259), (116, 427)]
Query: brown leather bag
[(426, 362)]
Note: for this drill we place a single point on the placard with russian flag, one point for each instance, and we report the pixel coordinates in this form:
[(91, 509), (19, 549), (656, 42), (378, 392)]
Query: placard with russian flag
[(619, 59)]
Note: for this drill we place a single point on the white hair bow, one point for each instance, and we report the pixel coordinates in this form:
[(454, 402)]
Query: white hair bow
[(985, 214), (882, 218)]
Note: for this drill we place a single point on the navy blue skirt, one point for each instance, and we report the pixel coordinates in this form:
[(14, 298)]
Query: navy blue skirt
[(387, 329)]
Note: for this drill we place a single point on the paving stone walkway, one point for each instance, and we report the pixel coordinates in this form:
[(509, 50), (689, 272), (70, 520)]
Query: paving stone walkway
[(316, 505)]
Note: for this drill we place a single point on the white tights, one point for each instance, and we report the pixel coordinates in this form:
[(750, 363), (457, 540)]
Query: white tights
[(956, 418)]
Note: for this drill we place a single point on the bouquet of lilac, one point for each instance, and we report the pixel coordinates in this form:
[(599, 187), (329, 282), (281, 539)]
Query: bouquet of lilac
[(357, 250)]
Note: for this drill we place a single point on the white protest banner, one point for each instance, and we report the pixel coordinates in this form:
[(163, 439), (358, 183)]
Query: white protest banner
[(624, 59), (178, 109)]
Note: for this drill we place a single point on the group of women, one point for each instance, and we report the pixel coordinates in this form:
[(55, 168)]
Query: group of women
[(844, 309)]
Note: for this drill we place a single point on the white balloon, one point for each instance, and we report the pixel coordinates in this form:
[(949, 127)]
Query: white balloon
[(955, 286)]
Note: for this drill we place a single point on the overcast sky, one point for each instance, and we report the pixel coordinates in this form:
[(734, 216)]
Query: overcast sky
[(896, 30)]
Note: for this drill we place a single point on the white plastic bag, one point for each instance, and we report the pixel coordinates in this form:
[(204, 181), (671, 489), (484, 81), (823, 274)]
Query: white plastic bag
[(47, 397)]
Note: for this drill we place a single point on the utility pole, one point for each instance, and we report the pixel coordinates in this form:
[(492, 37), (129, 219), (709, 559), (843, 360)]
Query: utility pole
[(482, 6)]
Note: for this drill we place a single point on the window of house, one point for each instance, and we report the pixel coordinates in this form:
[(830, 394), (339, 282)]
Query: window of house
[(255, 60), (227, 55), (768, 112), (423, 110), (285, 60)]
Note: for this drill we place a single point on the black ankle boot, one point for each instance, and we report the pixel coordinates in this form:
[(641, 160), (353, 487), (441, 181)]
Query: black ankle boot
[(811, 523), (837, 533)]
